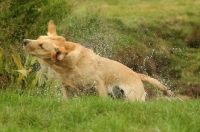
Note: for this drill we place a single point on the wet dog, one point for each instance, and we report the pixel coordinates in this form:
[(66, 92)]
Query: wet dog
[(79, 69)]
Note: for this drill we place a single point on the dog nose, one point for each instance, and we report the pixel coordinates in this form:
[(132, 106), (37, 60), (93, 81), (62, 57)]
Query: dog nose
[(26, 42)]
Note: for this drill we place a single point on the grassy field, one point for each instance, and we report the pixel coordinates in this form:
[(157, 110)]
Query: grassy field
[(151, 37), (42, 113), (137, 12)]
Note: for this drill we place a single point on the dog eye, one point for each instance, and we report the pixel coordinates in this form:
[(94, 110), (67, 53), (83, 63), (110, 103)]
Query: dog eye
[(41, 46)]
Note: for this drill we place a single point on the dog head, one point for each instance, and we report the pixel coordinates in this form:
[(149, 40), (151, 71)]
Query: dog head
[(47, 47)]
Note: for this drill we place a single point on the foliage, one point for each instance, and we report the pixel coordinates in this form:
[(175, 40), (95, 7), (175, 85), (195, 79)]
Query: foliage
[(17, 20)]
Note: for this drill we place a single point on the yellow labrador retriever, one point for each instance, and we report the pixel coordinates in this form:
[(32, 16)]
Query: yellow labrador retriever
[(80, 68)]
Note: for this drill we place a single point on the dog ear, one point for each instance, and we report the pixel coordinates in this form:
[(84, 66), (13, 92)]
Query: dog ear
[(51, 29), (61, 53)]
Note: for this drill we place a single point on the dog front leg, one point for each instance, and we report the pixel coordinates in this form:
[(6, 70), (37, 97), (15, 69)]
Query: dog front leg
[(101, 89), (67, 93)]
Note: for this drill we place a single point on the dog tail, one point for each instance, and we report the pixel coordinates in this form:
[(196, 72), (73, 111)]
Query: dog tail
[(156, 83)]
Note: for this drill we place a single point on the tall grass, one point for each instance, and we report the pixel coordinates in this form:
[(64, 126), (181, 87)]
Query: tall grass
[(42, 113)]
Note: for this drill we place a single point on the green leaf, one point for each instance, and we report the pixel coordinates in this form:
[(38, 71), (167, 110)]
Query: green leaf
[(17, 61), (23, 72)]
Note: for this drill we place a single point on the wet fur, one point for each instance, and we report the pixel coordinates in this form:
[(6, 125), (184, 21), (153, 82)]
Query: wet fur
[(80, 69)]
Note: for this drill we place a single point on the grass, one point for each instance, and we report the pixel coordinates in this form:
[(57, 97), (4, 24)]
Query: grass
[(127, 31), (41, 113), (138, 11)]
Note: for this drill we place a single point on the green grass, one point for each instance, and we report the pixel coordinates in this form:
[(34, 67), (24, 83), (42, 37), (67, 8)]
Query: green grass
[(130, 11), (41, 113), (128, 31)]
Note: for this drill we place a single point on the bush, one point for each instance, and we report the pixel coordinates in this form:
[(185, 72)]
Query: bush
[(20, 20)]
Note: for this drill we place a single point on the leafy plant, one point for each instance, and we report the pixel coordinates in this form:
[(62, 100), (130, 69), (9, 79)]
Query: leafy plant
[(17, 18)]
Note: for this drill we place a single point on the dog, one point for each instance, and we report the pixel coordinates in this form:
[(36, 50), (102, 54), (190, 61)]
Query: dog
[(80, 69)]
